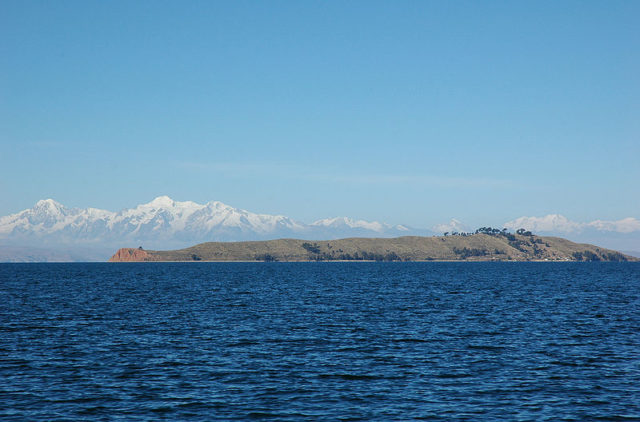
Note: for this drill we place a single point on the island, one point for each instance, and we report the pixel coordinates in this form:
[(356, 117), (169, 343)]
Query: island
[(485, 244)]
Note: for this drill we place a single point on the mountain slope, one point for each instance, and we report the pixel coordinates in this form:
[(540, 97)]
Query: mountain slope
[(477, 247), (168, 223)]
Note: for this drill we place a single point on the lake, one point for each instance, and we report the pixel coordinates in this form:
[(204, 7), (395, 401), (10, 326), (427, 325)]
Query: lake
[(320, 341)]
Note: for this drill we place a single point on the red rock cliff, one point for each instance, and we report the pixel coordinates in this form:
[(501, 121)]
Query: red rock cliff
[(131, 255)]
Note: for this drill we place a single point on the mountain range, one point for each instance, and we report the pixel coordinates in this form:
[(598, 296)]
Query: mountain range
[(49, 231), (165, 223)]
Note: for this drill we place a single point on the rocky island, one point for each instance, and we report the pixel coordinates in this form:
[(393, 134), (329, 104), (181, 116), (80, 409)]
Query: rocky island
[(485, 244)]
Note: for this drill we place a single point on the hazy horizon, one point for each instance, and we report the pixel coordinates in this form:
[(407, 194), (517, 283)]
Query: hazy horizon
[(50, 229)]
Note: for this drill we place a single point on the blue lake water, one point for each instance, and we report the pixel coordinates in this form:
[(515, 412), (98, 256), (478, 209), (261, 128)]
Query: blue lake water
[(320, 341)]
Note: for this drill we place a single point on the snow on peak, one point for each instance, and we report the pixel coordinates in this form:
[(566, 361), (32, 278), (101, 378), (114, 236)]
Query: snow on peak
[(452, 226), (164, 221), (48, 204), (47, 209), (626, 225), (340, 222), (162, 201), (548, 223), (561, 224), (328, 222), (217, 205)]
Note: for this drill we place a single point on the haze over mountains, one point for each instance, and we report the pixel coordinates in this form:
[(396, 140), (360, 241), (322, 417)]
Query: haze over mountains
[(164, 223), (52, 232), (622, 235)]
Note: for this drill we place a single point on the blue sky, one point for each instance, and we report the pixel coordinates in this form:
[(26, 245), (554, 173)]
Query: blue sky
[(405, 112)]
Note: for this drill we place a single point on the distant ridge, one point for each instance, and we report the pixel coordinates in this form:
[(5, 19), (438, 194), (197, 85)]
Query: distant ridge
[(474, 247), (166, 222), (50, 231)]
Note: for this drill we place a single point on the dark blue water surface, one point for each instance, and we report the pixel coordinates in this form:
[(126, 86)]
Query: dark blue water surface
[(311, 341)]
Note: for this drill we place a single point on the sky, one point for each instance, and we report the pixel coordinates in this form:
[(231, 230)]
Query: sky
[(408, 112)]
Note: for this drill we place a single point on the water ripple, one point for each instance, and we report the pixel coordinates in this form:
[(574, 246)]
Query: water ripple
[(306, 341)]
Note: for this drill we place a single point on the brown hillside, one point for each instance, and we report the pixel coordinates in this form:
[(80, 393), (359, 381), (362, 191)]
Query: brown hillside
[(476, 247)]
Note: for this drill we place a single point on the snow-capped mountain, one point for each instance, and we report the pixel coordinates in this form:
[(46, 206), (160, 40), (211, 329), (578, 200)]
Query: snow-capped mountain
[(623, 234), (165, 223), (560, 223), (334, 227), (450, 227)]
